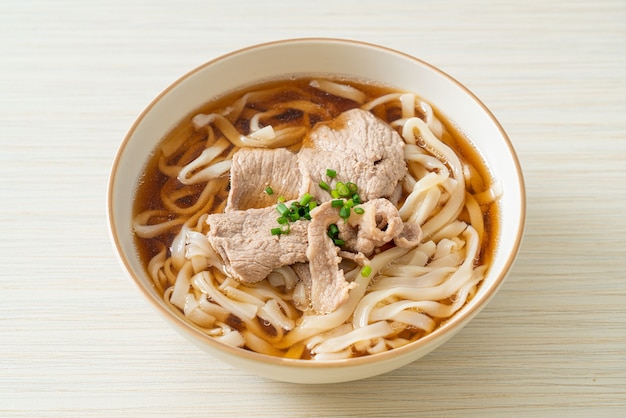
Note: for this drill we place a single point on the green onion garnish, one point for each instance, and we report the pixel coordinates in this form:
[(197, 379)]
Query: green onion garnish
[(324, 185), (352, 187), (297, 210), (282, 209), (336, 203), (334, 193), (359, 211), (342, 189), (269, 190), (333, 233), (306, 199), (344, 212), (331, 173), (366, 271)]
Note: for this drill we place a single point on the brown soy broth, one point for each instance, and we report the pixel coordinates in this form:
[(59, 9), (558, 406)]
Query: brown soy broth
[(148, 194)]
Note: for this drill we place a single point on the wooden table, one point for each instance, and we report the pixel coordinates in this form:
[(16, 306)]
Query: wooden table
[(78, 340)]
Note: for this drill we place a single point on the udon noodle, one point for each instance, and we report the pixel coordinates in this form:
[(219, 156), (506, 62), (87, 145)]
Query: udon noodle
[(410, 292)]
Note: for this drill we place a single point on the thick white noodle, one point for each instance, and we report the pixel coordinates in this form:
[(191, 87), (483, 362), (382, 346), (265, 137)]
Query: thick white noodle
[(380, 100), (455, 203), (340, 90), (405, 276), (194, 312), (440, 292), (232, 337), (283, 276), (177, 249), (196, 245), (272, 313), (375, 330), (303, 105), (407, 102), (312, 324), (190, 173), (256, 343), (181, 286), (143, 229), (204, 281), (155, 265), (423, 185)]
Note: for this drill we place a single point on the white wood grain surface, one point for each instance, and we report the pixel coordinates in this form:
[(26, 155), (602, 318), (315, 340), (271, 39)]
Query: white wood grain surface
[(76, 339)]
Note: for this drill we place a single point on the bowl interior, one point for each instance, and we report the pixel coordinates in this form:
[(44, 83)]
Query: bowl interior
[(320, 56)]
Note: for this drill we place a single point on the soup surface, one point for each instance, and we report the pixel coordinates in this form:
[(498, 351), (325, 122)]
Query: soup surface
[(316, 218)]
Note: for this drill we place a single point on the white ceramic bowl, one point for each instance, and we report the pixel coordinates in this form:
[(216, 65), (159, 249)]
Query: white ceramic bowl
[(356, 59)]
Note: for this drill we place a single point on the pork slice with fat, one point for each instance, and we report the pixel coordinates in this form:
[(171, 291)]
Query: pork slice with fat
[(379, 224), (254, 169), (248, 250), (329, 288), (361, 148)]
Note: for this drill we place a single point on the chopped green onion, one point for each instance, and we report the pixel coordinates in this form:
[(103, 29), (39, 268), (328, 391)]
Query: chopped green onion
[(366, 271), (334, 193), (342, 189), (269, 190), (349, 203), (324, 185), (344, 212), (352, 187), (356, 198), (336, 203), (359, 211), (297, 210), (331, 173), (333, 233), (282, 209), (306, 199)]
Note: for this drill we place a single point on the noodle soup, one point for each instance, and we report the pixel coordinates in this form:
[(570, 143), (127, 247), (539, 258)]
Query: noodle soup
[(394, 294)]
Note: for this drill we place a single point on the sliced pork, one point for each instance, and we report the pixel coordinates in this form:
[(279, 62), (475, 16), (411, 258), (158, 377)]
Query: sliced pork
[(329, 288), (248, 249), (361, 148), (379, 224), (254, 169)]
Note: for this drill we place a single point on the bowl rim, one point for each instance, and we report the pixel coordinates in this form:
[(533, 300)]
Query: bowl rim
[(455, 323)]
